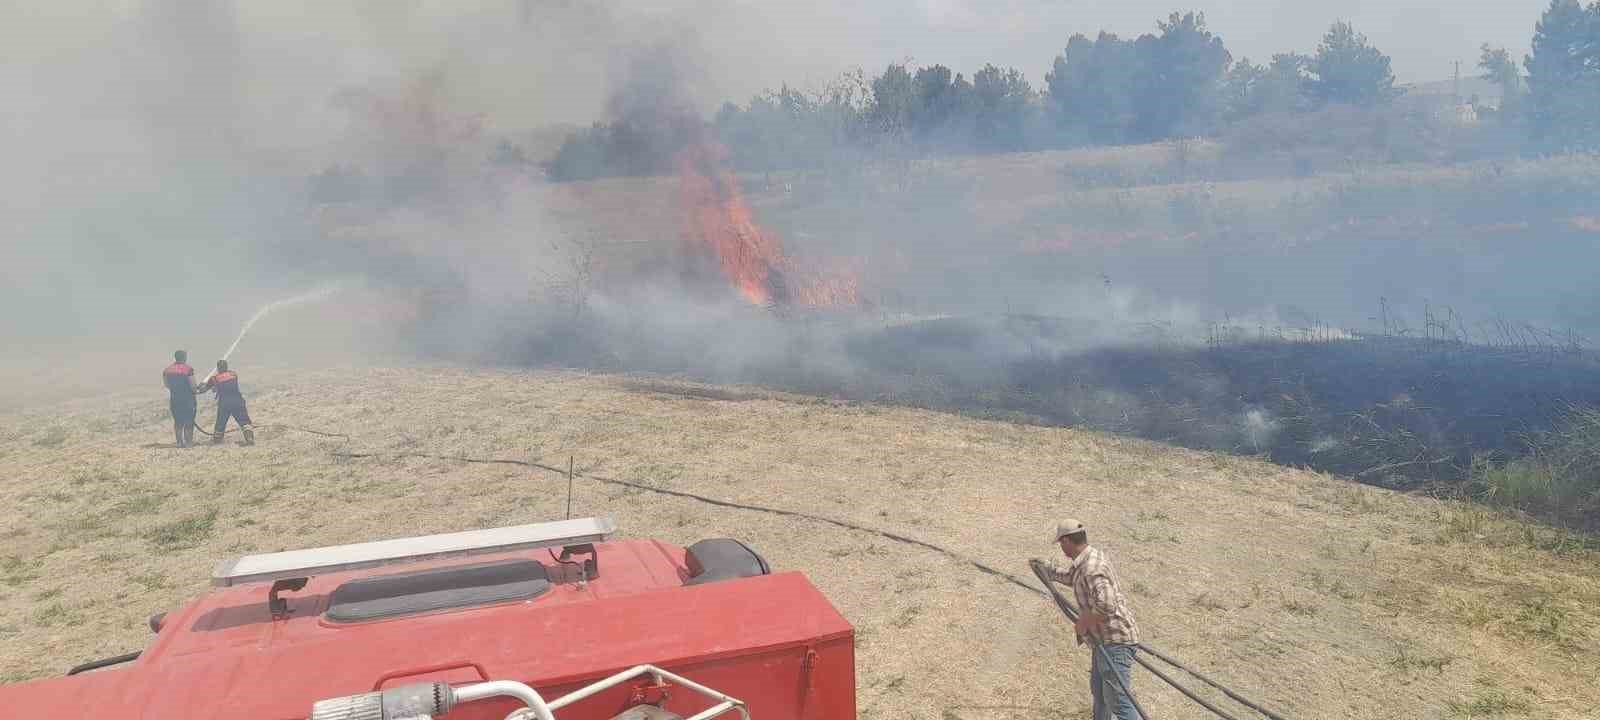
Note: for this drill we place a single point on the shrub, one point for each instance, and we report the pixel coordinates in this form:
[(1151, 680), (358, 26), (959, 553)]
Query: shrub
[(1559, 476)]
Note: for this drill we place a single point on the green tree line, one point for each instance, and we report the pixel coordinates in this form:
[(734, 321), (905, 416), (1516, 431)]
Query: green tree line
[(1178, 81)]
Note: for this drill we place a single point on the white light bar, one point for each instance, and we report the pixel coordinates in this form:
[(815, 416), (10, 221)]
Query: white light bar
[(340, 558)]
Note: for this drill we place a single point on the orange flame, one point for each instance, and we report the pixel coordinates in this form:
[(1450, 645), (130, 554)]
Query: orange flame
[(751, 257)]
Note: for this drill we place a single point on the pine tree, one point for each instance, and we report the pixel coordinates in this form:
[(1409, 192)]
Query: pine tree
[(1564, 77), (1348, 70)]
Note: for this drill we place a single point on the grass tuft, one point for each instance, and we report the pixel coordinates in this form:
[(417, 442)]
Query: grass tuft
[(1142, 589), (1407, 662), (1543, 621), (183, 533), (1465, 522), (1488, 703), (15, 571), (1205, 601), (151, 581), (139, 503), (52, 438), (1299, 606), (1559, 477), (55, 614)]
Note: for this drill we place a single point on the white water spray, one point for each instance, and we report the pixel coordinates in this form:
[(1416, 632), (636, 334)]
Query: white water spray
[(268, 309)]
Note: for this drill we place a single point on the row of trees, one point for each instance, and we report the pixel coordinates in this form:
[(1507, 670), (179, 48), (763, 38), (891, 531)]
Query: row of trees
[(1184, 82), (1179, 81)]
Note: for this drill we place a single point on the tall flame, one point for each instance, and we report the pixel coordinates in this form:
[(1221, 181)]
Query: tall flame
[(751, 257), (719, 218)]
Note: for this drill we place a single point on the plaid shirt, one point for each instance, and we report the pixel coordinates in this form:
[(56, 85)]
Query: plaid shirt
[(1094, 583)]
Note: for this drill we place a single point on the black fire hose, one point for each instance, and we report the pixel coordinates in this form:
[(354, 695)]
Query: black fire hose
[(208, 433), (1219, 686), (1066, 609)]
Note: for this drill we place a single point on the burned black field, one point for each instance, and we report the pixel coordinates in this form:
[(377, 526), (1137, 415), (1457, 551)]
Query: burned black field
[(1389, 410), (1432, 414)]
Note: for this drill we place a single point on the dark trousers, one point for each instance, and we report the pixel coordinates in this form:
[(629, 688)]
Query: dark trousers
[(183, 420), (237, 411)]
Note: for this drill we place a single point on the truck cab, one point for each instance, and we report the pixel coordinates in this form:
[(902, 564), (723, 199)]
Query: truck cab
[(533, 621)]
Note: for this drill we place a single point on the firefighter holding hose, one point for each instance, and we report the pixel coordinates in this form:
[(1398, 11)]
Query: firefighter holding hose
[(230, 403), (1105, 620), (179, 379)]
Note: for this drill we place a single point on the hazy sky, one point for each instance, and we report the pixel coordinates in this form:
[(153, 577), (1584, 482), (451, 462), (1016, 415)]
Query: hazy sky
[(752, 44), (525, 52)]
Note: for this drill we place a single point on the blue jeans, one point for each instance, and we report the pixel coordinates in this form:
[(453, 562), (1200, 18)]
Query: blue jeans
[(1110, 702)]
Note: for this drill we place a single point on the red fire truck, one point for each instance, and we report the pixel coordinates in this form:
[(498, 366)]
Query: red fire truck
[(533, 622)]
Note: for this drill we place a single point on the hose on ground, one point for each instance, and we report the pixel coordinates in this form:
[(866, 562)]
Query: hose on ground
[(281, 426), (1219, 686), (1050, 591), (1019, 582)]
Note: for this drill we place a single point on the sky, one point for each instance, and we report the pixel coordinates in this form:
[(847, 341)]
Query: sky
[(745, 45)]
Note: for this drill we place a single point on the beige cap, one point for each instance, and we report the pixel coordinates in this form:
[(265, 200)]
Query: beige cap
[(1066, 527)]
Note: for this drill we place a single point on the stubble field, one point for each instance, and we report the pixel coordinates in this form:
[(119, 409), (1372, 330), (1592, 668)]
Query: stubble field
[(1317, 596)]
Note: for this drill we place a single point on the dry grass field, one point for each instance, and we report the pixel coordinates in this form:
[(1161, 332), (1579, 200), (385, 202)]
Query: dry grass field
[(1322, 598)]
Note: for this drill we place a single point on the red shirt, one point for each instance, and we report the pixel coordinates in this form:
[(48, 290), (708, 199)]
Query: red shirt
[(176, 376), (227, 385)]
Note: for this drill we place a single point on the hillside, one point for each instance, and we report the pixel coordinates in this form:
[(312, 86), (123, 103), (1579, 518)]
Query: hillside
[(1322, 598)]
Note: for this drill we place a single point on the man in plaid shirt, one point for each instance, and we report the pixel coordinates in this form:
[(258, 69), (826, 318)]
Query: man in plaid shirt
[(1103, 619)]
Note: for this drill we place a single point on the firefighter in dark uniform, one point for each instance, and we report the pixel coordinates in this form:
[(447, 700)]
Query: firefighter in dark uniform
[(230, 403), (179, 379)]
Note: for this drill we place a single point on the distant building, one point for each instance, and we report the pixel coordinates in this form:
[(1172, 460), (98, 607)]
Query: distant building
[(1450, 102), (1446, 90), (1461, 114)]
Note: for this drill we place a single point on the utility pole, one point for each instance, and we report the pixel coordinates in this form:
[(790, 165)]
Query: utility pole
[(1457, 97)]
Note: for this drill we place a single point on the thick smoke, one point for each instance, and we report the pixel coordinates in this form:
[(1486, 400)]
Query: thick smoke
[(179, 165), (172, 166)]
